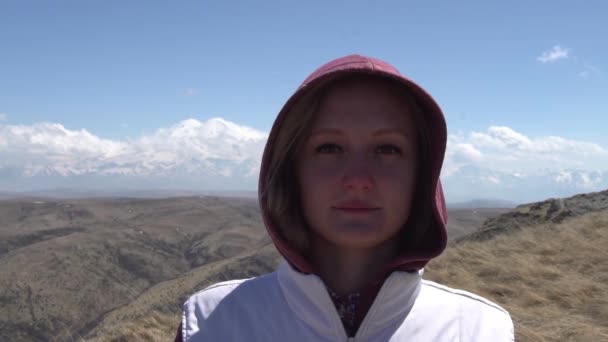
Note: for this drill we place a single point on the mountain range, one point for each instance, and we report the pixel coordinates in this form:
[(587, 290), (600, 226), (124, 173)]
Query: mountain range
[(219, 155)]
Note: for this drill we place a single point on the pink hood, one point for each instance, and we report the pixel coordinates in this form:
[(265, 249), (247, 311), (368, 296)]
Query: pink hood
[(434, 238)]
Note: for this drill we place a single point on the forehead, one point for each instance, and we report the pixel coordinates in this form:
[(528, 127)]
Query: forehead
[(366, 103)]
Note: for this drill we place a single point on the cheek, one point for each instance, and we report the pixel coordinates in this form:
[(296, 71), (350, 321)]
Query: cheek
[(317, 176), (316, 187), (401, 175), (398, 185)]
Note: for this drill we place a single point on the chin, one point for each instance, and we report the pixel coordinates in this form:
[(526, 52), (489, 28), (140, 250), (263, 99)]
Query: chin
[(357, 237)]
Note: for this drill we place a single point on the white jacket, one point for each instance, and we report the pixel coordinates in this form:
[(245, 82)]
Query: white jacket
[(290, 306)]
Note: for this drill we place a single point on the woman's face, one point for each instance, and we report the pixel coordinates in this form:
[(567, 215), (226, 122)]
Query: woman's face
[(357, 168)]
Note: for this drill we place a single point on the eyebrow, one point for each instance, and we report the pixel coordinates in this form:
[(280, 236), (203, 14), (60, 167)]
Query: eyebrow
[(380, 132), (327, 131), (389, 131)]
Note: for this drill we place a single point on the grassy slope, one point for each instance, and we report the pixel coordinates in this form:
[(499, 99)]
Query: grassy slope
[(162, 299), (66, 263), (552, 278), (73, 268)]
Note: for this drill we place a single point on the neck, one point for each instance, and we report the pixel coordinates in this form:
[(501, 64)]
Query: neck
[(349, 270)]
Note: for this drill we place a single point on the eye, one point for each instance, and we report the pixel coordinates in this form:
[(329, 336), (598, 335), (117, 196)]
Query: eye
[(328, 149), (388, 149)]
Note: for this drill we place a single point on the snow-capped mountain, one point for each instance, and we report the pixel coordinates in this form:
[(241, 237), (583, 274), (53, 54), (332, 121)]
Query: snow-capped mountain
[(219, 155), (211, 155)]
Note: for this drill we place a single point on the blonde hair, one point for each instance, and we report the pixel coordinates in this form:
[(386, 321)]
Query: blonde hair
[(281, 192)]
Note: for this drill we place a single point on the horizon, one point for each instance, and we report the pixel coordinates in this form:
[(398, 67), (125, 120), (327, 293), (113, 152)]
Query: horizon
[(92, 193), (163, 97)]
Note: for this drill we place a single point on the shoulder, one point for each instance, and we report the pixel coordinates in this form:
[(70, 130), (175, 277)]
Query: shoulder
[(207, 312), (477, 316), (218, 289), (214, 293), (204, 302), (464, 297)]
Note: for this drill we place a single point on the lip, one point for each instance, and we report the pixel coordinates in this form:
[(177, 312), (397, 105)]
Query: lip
[(355, 206), (356, 211)]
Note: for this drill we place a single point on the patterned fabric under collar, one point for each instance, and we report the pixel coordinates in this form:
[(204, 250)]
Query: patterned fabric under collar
[(347, 306)]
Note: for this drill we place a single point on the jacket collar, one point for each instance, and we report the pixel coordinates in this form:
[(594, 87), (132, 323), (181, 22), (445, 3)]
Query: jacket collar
[(309, 299)]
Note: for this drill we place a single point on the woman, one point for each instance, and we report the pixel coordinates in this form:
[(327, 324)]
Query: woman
[(350, 194)]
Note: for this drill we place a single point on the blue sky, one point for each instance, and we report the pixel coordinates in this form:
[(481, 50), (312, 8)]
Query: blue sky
[(101, 65), (123, 69)]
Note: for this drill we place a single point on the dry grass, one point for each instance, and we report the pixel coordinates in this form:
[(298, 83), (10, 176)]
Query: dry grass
[(553, 279), (68, 265), (154, 328)]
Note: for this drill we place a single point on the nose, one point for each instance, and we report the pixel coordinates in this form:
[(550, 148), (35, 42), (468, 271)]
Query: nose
[(357, 174)]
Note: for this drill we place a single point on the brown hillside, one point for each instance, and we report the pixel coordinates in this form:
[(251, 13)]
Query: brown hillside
[(553, 210), (65, 264), (73, 268), (552, 277)]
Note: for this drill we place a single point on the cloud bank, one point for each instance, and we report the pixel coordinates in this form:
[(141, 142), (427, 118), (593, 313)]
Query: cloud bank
[(218, 154), (504, 164), (506, 150), (190, 153)]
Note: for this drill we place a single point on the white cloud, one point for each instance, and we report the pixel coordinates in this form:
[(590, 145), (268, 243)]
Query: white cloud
[(191, 92), (553, 55), (3, 116), (216, 145), (563, 176), (193, 142), (224, 155), (213, 139), (520, 167), (504, 149), (465, 152), (50, 139)]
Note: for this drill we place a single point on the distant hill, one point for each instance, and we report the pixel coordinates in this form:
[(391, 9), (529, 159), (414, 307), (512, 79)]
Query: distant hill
[(482, 203), (83, 193), (554, 210)]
